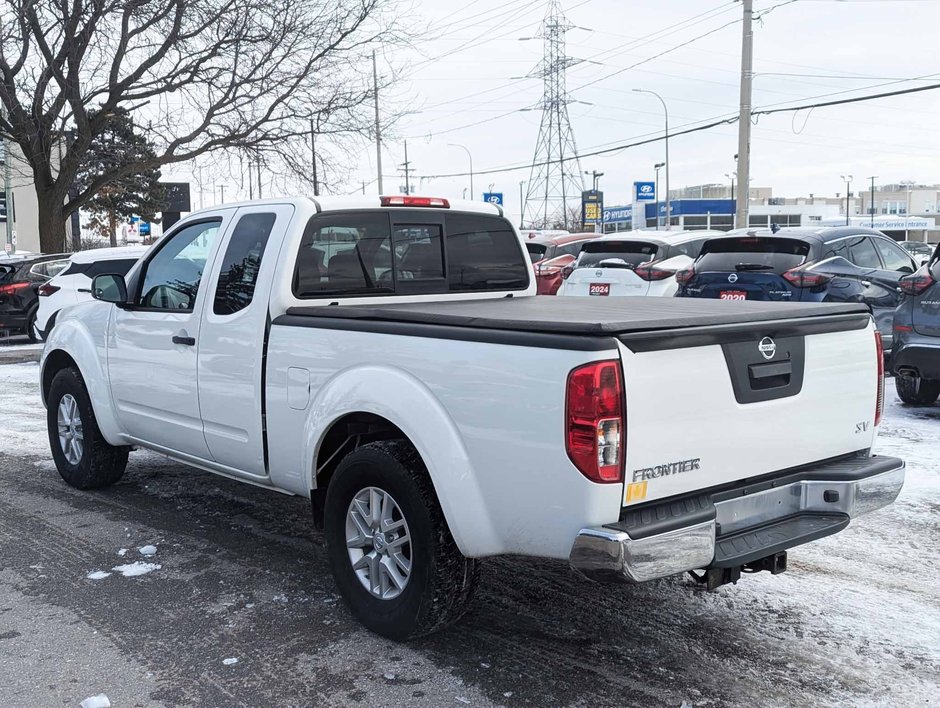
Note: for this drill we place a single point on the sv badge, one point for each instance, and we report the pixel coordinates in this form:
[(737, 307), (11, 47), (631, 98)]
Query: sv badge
[(862, 427)]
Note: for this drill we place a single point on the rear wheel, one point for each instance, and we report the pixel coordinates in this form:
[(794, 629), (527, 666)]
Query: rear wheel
[(391, 553), (916, 390), (85, 460), (31, 330)]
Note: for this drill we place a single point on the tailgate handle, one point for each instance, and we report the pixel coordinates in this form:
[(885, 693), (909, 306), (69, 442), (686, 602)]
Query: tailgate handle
[(775, 374)]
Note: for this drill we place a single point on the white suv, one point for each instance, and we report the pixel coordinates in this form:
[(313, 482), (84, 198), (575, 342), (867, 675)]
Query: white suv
[(73, 283), (633, 263)]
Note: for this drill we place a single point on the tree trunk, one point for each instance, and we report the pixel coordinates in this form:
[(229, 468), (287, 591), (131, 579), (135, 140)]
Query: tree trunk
[(52, 221)]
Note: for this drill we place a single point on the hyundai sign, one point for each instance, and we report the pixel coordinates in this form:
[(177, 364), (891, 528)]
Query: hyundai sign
[(493, 198), (644, 191)]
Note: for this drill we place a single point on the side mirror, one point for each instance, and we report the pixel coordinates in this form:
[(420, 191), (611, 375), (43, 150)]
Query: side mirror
[(925, 260), (109, 288)]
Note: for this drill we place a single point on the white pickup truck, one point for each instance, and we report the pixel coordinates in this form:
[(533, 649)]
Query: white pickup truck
[(388, 359)]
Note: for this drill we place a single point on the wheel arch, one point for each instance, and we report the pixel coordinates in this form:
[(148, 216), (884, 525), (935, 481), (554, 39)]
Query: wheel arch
[(381, 402)]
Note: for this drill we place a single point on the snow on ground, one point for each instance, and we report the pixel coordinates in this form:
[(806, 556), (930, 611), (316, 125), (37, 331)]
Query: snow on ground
[(132, 570), (22, 415)]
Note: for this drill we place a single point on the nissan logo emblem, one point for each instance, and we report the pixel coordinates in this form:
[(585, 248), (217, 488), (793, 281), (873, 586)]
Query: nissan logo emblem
[(767, 348), (733, 278)]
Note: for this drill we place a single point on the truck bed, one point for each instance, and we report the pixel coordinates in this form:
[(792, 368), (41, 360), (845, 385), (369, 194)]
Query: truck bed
[(585, 317)]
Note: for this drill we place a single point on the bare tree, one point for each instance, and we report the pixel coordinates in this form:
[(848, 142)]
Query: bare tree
[(202, 75)]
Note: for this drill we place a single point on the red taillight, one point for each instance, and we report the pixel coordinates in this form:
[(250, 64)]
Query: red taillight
[(595, 421), (686, 274), (650, 271), (47, 290), (436, 202), (800, 278), (916, 283), (12, 288), (566, 271), (880, 401)]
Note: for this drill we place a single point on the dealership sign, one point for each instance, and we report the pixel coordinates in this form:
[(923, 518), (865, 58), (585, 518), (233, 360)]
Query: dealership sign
[(644, 191)]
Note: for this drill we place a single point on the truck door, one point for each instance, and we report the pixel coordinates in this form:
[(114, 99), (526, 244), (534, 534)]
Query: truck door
[(152, 345), (233, 334)]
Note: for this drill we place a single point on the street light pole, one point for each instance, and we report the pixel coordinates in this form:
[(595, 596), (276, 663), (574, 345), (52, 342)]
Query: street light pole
[(595, 175), (848, 186), (470, 157), (668, 206), (521, 205), (871, 200), (656, 167), (731, 177)]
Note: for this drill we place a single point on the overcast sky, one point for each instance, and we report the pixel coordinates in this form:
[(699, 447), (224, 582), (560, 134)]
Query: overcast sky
[(463, 84)]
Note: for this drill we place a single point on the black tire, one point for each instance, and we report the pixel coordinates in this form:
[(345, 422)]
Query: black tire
[(442, 581), (916, 390), (31, 332), (99, 464)]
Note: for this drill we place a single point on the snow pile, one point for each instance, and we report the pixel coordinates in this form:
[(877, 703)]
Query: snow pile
[(98, 575), (147, 551), (230, 661), (132, 570), (99, 701), (22, 415)]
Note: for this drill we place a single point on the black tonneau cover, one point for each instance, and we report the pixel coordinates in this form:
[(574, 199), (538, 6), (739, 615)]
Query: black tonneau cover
[(586, 316)]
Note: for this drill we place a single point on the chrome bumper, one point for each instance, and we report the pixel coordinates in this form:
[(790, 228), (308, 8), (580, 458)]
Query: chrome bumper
[(609, 553)]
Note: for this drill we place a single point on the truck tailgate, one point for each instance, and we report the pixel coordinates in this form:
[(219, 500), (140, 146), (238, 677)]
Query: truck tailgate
[(721, 405)]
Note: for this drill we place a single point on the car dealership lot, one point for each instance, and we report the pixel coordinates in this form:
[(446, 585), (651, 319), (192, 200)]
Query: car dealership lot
[(242, 575)]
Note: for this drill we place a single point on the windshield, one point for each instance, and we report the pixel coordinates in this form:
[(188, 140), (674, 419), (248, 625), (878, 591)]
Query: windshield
[(536, 251), (630, 253), (750, 253)]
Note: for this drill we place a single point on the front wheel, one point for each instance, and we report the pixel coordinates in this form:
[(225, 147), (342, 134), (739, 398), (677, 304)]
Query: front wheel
[(916, 390), (85, 460), (390, 550)]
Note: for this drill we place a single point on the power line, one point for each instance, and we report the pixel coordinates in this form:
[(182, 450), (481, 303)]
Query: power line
[(729, 120)]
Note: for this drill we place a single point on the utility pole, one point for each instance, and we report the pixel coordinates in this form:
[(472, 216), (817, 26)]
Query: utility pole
[(871, 200), (313, 158), (744, 117), (251, 182), (848, 194), (259, 179), (222, 188), (406, 165), (7, 196), (378, 128)]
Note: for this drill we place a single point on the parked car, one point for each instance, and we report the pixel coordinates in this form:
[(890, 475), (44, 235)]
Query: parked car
[(395, 387), (841, 264), (549, 254), (916, 359), (72, 284), (918, 249), (20, 280), (638, 263)]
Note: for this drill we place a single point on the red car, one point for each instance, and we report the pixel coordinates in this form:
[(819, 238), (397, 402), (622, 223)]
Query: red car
[(549, 254)]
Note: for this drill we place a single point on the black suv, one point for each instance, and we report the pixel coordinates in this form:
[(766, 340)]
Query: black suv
[(839, 264), (19, 285), (916, 360)]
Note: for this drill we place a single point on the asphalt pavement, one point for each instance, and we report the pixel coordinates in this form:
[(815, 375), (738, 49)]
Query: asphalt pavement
[(237, 607)]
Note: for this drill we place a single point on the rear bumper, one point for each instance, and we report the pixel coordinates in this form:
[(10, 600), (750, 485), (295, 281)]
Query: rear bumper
[(917, 358), (731, 527)]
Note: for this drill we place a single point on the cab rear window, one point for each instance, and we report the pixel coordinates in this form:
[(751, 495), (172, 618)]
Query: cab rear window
[(752, 253), (408, 253), (631, 253)]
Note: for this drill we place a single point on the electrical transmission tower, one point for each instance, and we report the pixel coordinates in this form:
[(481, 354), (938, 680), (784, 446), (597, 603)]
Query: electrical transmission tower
[(554, 186)]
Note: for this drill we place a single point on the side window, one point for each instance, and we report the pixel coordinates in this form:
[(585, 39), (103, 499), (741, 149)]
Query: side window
[(895, 258), (838, 249), (570, 249), (419, 254), (483, 253), (118, 267), (241, 263), (344, 254), (171, 278), (863, 254)]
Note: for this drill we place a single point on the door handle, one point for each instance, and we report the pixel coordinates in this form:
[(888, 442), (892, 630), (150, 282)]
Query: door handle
[(188, 341)]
